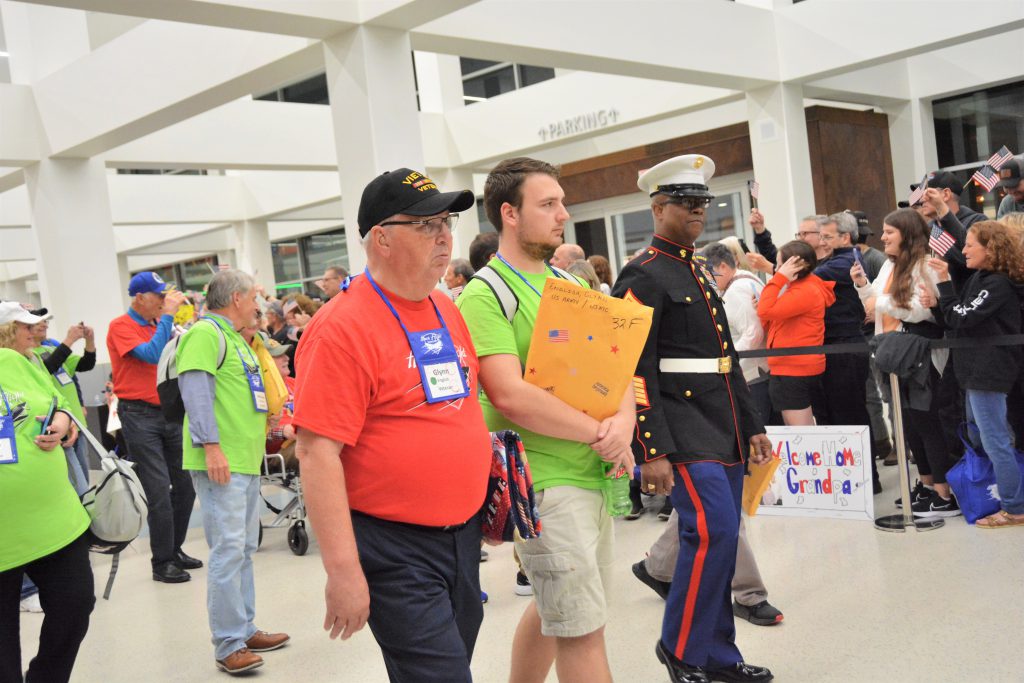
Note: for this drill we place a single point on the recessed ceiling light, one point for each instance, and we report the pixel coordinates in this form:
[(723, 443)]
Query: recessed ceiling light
[(723, 204)]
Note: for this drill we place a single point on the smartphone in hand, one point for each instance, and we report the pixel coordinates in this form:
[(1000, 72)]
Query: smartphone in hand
[(49, 417)]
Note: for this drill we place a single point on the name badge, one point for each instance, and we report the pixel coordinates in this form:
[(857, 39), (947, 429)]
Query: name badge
[(63, 377), (439, 366), (8, 441), (259, 393)]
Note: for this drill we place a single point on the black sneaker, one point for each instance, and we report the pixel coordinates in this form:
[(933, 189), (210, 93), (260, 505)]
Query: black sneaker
[(762, 614), (523, 585), (666, 510), (741, 672), (635, 511), (920, 492), (936, 506), (660, 587)]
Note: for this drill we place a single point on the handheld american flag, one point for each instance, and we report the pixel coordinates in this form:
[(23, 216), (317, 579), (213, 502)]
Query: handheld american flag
[(997, 160), (755, 188), (986, 177), (940, 241)]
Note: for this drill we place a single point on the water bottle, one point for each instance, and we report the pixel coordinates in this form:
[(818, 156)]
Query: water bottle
[(616, 492)]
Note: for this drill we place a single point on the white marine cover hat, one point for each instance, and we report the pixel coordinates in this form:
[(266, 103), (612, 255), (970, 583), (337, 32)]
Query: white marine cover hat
[(682, 176)]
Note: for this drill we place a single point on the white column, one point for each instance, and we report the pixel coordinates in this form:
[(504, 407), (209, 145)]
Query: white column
[(450, 180), (912, 143), (782, 161), (42, 39), (252, 247), (439, 79), (373, 107), (14, 290), (79, 271)]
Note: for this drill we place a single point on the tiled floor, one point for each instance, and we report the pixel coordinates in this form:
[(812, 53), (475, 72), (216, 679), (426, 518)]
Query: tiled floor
[(860, 606)]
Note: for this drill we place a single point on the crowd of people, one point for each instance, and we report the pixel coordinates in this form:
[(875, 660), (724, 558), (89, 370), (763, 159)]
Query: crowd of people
[(444, 368)]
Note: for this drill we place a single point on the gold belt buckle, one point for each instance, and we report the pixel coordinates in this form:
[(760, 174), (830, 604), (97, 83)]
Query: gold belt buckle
[(725, 365)]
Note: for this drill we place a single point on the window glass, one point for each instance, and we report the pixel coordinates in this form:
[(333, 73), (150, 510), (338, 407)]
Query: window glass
[(969, 128), (485, 225), (196, 274), (489, 84), (286, 261), (723, 217), (528, 75), (311, 91), (590, 235), (322, 251), (632, 231), (470, 65)]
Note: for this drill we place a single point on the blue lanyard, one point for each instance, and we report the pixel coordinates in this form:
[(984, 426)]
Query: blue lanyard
[(255, 364), (521, 277), (384, 298), (6, 404)]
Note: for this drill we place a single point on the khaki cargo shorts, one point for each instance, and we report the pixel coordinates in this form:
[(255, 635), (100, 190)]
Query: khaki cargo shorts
[(570, 564)]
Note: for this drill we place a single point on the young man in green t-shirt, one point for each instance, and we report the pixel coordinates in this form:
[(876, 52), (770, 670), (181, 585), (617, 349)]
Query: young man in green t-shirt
[(225, 423), (570, 563)]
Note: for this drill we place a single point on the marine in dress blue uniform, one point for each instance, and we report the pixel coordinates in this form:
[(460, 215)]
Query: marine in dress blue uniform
[(695, 423)]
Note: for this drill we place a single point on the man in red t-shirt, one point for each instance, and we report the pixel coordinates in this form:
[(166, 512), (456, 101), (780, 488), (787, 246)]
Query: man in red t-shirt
[(394, 451), (135, 341)]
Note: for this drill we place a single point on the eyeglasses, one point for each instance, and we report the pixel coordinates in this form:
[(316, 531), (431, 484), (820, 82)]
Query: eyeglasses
[(826, 237), (431, 227), (805, 233), (689, 203)]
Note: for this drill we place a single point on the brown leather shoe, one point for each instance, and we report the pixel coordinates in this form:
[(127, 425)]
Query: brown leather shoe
[(262, 641), (240, 660)]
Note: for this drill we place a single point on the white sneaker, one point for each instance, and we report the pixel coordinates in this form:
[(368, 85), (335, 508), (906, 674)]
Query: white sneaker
[(31, 604)]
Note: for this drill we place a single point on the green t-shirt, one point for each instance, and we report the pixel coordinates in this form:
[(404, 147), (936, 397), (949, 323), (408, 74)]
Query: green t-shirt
[(67, 391), (241, 428), (42, 513), (553, 462)]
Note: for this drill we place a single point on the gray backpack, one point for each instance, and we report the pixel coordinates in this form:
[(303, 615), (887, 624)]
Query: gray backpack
[(116, 505), (507, 299)]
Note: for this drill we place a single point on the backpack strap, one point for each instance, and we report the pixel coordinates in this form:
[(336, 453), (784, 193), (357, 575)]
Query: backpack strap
[(507, 299), (222, 343)]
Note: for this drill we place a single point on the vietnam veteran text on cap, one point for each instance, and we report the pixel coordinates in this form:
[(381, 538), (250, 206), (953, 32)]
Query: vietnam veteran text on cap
[(410, 192)]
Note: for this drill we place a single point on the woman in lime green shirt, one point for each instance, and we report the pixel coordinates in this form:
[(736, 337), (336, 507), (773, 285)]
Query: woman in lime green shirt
[(44, 534)]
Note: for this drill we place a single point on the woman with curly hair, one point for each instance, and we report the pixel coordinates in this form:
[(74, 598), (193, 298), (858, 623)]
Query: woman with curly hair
[(895, 299), (989, 305)]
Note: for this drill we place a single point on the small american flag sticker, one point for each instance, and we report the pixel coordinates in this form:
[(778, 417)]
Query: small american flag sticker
[(558, 336)]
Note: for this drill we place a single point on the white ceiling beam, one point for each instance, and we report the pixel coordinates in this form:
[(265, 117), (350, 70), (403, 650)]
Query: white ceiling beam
[(663, 40), (105, 100), (303, 18), (969, 66), (270, 193), (175, 199), (18, 113), (829, 37), (408, 14), (185, 239), (244, 134)]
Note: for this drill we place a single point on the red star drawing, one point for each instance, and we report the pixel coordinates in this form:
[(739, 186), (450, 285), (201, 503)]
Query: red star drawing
[(615, 349), (533, 371)]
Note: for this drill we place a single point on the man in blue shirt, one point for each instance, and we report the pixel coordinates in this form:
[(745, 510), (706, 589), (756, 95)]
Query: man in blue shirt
[(135, 341)]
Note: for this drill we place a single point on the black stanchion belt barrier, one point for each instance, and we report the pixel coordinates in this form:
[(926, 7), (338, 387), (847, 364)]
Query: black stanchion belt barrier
[(864, 347)]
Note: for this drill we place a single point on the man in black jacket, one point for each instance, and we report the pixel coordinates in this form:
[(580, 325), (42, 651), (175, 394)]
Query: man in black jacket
[(844, 382), (941, 207)]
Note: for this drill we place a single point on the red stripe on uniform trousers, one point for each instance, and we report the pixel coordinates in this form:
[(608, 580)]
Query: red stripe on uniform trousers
[(698, 564)]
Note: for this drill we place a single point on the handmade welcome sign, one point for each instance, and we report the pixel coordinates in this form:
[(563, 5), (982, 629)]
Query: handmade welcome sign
[(585, 346), (822, 472)]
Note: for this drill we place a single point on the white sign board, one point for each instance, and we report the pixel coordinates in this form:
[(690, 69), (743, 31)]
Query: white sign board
[(824, 472)]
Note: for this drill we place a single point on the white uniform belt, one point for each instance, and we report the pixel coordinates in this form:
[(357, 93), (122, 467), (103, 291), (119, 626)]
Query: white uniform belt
[(720, 366)]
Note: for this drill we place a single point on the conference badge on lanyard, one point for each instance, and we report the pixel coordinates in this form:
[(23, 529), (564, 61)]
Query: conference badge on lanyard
[(62, 377), (438, 363), (8, 439), (256, 388)]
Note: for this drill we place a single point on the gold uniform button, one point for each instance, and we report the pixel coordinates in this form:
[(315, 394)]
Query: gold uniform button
[(725, 345), (707, 294), (702, 280), (654, 451), (641, 418), (650, 251), (687, 393), (714, 311), (719, 326), (689, 299), (647, 435)]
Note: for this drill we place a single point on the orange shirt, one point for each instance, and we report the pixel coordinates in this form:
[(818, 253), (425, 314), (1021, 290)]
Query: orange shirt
[(405, 460), (133, 379), (889, 323)]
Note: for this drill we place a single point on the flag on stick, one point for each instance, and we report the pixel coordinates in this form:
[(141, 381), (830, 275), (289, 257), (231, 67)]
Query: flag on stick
[(986, 177), (997, 160), (755, 190), (940, 241), (918, 194)]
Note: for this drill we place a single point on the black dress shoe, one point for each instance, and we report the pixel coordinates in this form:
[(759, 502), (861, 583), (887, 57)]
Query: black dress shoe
[(679, 672), (186, 562), (169, 572), (741, 672), (660, 587), (762, 614)]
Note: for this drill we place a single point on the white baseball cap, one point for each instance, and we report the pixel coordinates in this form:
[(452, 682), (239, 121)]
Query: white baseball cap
[(11, 311)]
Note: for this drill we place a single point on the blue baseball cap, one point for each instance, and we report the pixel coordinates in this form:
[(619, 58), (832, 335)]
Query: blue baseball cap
[(146, 282)]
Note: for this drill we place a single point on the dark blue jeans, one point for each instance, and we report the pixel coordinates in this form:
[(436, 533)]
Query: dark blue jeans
[(425, 609), (154, 445)]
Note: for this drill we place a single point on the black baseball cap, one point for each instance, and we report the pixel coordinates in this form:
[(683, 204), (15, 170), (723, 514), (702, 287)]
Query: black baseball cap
[(406, 191), (863, 225), (1009, 174), (944, 180)]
